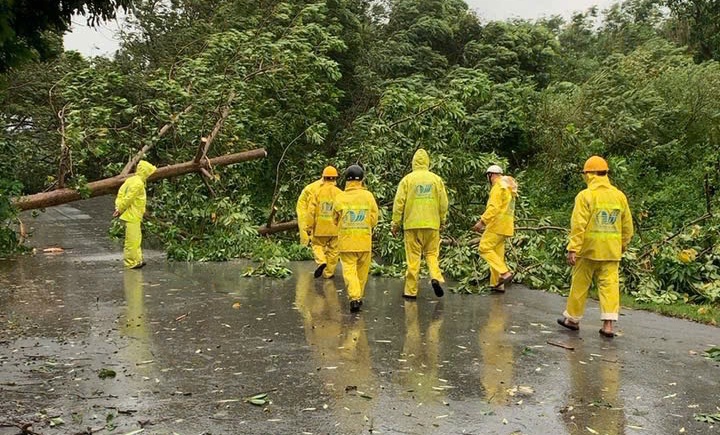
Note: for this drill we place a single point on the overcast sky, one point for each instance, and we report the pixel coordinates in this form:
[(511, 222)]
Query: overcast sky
[(103, 40)]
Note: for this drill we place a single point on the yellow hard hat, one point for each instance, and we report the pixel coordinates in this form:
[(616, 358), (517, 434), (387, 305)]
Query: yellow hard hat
[(330, 172), (596, 164)]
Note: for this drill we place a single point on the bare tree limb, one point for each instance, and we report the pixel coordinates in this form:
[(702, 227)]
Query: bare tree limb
[(163, 131), (65, 161), (276, 192), (278, 228), (110, 185), (205, 143)]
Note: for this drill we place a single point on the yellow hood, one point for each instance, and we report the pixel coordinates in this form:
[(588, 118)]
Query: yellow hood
[(594, 181), (145, 169), (421, 160)]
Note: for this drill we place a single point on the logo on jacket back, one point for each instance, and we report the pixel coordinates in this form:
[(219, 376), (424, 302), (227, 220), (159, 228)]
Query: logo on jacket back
[(423, 190), (605, 218), (326, 207), (354, 216)]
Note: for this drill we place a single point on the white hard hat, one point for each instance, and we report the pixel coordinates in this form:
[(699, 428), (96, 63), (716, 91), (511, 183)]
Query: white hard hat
[(494, 169)]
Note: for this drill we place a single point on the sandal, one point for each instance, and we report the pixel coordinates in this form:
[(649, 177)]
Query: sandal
[(563, 322), (604, 333), (498, 288), (506, 281)]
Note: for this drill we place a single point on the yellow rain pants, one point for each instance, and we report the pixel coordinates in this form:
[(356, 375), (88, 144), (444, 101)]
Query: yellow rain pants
[(608, 284), (356, 267), (325, 250), (132, 253), (421, 242), (492, 250)]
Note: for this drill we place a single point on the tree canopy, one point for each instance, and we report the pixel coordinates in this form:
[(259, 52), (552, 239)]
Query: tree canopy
[(32, 29)]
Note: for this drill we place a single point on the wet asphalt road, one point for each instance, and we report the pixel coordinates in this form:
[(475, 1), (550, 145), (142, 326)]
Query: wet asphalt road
[(189, 342)]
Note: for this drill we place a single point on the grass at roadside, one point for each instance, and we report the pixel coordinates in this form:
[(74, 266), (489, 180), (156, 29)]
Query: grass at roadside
[(708, 314)]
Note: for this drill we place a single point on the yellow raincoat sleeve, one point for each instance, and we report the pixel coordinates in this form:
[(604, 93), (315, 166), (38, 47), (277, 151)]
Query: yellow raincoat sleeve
[(399, 203), (627, 226), (129, 191), (301, 208), (373, 212), (444, 203), (578, 223), (311, 211), (497, 203)]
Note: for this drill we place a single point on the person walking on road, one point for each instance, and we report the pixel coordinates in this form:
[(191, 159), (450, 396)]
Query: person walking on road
[(498, 224), (130, 206), (356, 214), (420, 210), (302, 207), (321, 224), (601, 228)]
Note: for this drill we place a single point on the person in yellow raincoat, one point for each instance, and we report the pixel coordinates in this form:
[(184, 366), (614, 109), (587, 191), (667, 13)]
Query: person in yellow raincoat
[(130, 207), (356, 214), (601, 228), (420, 209), (498, 222), (302, 207), (321, 224)]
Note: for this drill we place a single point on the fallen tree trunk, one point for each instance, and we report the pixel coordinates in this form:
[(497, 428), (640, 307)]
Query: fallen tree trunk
[(110, 185), (277, 228)]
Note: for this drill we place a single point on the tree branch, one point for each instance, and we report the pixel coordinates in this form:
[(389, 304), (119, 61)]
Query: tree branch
[(205, 143), (276, 192), (163, 131), (655, 245)]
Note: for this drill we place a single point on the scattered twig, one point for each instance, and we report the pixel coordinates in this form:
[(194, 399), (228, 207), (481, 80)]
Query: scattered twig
[(90, 431), (558, 344), (24, 427), (179, 318)]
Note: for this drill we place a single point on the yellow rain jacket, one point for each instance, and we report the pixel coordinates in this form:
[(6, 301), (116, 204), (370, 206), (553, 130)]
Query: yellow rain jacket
[(421, 201), (320, 219), (131, 199), (302, 206), (499, 216), (356, 214), (601, 225)]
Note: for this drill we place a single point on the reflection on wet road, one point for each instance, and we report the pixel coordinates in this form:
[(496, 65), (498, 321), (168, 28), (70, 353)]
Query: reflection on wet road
[(497, 354), (340, 348), (191, 342), (594, 402)]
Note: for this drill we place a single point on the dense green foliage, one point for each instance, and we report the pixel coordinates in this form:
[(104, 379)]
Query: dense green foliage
[(345, 81), (32, 29)]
